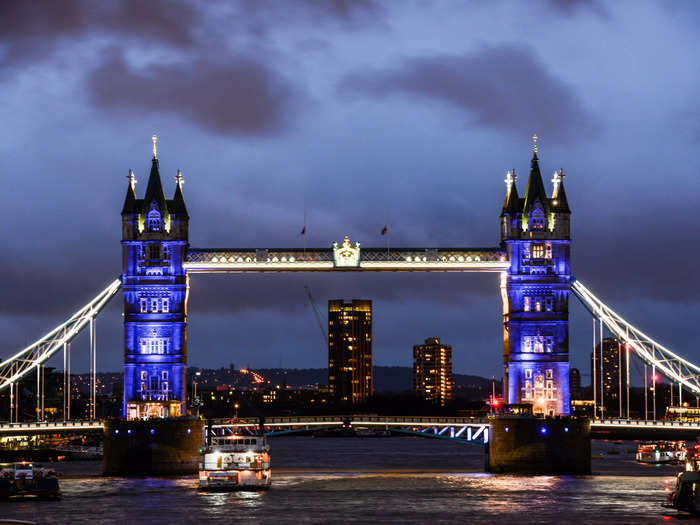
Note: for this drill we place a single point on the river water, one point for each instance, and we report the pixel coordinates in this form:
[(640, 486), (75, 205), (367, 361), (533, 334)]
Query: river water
[(379, 480)]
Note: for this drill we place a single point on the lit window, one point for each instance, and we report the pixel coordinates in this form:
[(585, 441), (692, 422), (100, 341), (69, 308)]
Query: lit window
[(526, 303), (143, 374), (549, 303), (536, 219), (538, 344), (527, 344), (153, 221), (166, 304), (165, 386), (549, 373), (143, 387), (144, 305), (548, 250), (538, 251), (154, 305), (538, 305)]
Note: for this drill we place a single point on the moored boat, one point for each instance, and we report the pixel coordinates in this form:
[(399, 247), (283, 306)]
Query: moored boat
[(26, 480), (661, 452), (235, 462)]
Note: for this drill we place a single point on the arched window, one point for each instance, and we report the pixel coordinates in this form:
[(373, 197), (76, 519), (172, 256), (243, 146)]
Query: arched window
[(536, 219), (154, 222)]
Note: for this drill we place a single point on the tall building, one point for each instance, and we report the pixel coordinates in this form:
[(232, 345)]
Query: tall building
[(154, 284), (535, 293), (432, 371), (350, 350), (575, 383), (610, 374)]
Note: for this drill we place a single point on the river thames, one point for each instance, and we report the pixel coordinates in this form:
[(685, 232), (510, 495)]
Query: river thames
[(380, 480)]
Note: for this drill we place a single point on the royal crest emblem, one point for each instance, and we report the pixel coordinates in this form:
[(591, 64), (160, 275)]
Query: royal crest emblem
[(346, 255)]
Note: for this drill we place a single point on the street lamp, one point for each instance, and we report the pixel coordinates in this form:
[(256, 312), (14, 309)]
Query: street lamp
[(236, 413)]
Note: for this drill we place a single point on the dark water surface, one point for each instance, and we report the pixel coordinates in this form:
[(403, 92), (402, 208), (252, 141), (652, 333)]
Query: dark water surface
[(322, 480)]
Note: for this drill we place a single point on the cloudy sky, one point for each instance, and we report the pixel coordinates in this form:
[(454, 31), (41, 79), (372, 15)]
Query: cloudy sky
[(352, 110)]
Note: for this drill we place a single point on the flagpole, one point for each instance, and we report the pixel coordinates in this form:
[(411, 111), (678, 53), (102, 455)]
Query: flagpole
[(387, 235), (304, 233)]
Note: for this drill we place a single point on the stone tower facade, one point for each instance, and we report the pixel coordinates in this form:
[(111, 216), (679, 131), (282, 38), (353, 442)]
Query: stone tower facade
[(535, 292), (154, 244)]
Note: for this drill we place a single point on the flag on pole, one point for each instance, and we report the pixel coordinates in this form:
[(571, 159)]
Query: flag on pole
[(303, 230), (385, 229)]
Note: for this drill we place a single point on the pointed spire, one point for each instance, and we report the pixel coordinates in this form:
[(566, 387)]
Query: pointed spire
[(155, 146), (559, 201), (177, 205), (154, 188), (512, 201), (535, 187), (130, 199)]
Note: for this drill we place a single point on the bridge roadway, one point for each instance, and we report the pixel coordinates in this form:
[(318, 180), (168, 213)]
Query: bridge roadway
[(464, 429)]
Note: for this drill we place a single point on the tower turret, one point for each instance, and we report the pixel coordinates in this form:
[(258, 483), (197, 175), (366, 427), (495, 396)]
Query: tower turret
[(535, 296), (154, 245)]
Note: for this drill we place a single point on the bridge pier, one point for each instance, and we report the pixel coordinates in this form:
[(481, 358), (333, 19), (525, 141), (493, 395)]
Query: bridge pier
[(529, 445), (167, 446)]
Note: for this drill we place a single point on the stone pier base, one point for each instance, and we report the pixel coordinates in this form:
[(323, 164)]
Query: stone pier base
[(154, 447), (529, 445)]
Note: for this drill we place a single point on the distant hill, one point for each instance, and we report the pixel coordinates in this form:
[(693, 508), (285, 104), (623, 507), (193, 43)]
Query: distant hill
[(386, 378)]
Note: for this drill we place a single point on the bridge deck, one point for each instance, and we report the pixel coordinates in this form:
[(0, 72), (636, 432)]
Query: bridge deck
[(324, 259)]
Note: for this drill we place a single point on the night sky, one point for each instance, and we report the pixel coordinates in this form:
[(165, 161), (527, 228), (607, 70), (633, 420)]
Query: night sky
[(352, 110)]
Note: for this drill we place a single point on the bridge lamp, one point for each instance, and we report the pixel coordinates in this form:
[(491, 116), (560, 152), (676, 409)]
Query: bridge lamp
[(153, 431), (543, 430)]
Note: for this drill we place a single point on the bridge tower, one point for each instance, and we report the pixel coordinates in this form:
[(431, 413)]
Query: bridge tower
[(535, 293), (155, 287)]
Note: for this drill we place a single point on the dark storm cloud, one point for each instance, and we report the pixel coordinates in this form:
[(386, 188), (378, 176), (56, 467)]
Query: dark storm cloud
[(234, 96), (505, 87), (32, 30)]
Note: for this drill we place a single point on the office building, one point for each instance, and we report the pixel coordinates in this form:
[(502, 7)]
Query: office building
[(350, 350), (432, 371)]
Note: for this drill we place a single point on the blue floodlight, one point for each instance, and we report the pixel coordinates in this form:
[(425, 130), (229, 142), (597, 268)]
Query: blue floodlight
[(543, 430)]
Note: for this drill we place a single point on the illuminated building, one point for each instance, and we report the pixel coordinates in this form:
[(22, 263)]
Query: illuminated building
[(432, 371), (535, 293), (611, 368), (350, 350), (154, 242)]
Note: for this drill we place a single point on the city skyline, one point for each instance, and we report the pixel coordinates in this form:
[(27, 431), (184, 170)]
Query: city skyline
[(444, 188)]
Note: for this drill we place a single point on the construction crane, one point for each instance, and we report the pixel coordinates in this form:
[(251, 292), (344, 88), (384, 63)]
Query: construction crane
[(324, 335)]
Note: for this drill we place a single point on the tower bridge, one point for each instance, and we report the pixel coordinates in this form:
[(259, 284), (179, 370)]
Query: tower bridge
[(532, 261)]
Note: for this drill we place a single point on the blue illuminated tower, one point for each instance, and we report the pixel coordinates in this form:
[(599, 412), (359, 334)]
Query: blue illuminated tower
[(535, 292), (154, 243)]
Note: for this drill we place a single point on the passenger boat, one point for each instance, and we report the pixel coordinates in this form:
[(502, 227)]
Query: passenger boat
[(235, 462), (685, 496), (25, 480), (661, 452)]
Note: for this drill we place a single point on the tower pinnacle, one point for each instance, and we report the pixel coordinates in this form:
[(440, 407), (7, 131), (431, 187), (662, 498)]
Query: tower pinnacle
[(534, 143), (179, 179), (132, 179), (155, 146)]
